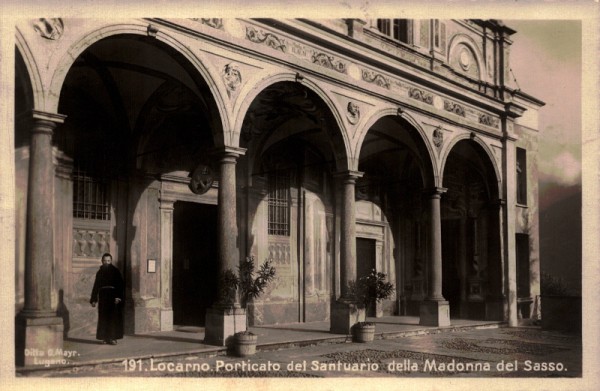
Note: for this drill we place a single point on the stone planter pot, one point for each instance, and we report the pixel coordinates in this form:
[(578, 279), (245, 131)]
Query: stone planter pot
[(363, 332), (561, 313), (244, 344)]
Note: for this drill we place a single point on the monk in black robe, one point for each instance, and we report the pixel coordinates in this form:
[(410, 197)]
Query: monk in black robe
[(108, 293)]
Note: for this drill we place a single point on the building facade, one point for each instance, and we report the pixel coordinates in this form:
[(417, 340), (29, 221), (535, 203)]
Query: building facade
[(331, 147)]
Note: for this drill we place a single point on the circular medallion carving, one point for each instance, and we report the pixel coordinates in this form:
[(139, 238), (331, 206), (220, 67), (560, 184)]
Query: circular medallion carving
[(232, 77), (464, 59), (202, 179), (353, 113), (438, 136)]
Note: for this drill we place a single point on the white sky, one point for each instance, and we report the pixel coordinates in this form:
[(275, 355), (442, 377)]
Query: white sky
[(546, 60)]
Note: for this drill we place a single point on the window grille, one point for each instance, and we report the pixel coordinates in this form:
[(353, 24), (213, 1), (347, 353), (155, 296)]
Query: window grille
[(279, 203), (90, 196)]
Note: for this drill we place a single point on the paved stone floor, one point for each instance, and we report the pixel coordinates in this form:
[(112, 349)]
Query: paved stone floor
[(490, 352)]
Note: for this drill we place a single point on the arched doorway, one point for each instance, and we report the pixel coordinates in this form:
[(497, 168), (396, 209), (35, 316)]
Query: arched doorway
[(289, 132), (471, 270), (140, 120), (391, 214)]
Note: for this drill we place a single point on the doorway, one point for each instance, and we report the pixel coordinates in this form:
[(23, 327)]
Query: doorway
[(195, 265), (451, 283), (365, 262)]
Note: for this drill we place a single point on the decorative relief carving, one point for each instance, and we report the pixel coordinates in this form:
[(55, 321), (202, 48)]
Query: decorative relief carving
[(232, 78), (328, 62), (49, 28), (299, 50), (353, 113), (421, 95), (280, 253), (90, 243), (488, 120), (375, 78), (438, 137), (202, 179), (464, 59), (216, 23), (269, 39), (454, 108)]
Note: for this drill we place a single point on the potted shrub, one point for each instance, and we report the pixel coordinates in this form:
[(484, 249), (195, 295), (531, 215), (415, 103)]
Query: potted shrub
[(561, 307), (251, 284), (368, 291)]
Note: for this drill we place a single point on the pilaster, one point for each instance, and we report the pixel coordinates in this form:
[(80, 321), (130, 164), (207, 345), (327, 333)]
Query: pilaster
[(166, 259)]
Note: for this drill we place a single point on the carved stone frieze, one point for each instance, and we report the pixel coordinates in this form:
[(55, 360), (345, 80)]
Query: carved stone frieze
[(269, 39), (421, 95), (353, 113), (232, 77), (488, 120), (375, 78), (454, 108), (216, 23), (329, 62), (49, 28)]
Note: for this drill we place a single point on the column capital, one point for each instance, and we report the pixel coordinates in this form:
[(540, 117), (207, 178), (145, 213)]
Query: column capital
[(348, 175), (45, 116), (45, 123), (434, 192), (229, 153), (167, 203)]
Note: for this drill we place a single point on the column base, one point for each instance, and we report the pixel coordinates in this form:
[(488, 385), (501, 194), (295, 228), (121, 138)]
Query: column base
[(496, 309), (222, 323), (344, 315), (36, 337), (434, 313), (166, 320)]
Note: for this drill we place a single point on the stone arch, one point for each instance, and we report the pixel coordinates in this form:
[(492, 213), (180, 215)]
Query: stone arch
[(472, 46), (343, 155), (430, 176), (36, 85), (486, 151), (141, 29)]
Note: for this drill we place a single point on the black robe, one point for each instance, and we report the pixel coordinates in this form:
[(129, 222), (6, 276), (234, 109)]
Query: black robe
[(108, 286)]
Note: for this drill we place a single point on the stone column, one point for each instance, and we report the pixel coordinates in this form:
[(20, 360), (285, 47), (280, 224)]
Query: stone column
[(496, 306), (345, 312), (166, 266), (37, 326), (435, 310), (225, 319)]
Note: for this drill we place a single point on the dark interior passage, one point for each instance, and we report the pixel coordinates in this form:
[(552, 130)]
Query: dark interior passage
[(365, 261), (450, 265), (195, 267)]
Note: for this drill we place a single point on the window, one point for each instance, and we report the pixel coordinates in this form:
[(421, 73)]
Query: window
[(90, 196), (439, 35), (521, 176), (279, 203), (398, 29)]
